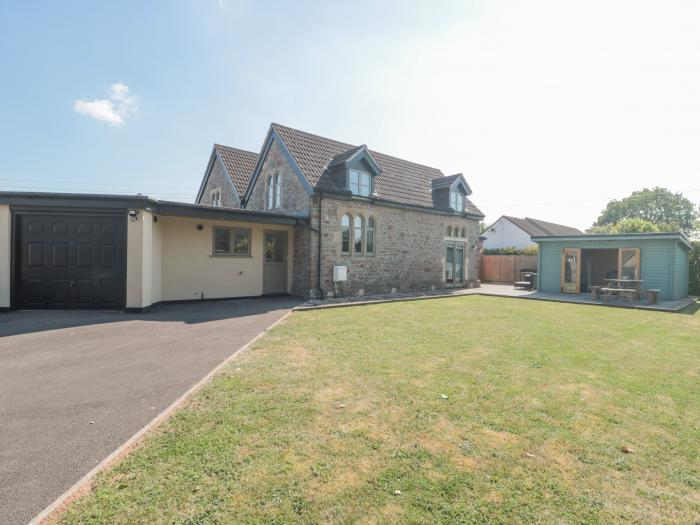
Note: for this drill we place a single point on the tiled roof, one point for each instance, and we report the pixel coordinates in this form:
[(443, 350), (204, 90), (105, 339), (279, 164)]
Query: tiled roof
[(400, 181), (536, 227), (239, 164)]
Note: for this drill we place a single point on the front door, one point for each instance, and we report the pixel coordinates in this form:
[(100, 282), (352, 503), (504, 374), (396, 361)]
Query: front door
[(275, 265), (454, 264), (571, 270)]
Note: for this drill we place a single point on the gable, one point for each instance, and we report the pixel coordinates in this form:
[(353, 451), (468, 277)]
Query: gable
[(400, 181)]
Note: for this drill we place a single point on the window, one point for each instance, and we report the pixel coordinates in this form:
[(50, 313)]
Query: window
[(278, 190), (449, 231), (357, 237), (345, 234), (274, 191), (360, 183), (457, 201), (463, 233), (270, 193), (232, 242), (216, 198), (369, 246)]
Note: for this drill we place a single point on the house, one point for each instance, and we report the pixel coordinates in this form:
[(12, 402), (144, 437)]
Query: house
[(394, 224), (512, 232), (278, 222), (574, 263)]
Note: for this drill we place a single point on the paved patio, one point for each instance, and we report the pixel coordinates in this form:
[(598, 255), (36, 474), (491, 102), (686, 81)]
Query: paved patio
[(496, 290)]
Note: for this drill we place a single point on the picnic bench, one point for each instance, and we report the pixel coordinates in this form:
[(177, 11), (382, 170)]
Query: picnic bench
[(627, 288)]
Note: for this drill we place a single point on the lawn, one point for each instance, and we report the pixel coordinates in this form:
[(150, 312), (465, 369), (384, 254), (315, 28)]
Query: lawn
[(459, 410)]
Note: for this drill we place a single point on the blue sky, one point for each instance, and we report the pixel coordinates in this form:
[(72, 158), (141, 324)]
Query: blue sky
[(549, 108)]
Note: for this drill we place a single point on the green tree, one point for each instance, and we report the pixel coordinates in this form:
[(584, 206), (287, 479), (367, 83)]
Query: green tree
[(659, 206), (626, 226)]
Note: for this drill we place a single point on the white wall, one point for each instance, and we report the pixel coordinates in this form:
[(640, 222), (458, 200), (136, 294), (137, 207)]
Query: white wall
[(505, 234), (189, 271), (5, 240)]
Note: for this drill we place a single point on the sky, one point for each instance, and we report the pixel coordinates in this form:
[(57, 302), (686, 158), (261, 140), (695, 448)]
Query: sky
[(549, 108)]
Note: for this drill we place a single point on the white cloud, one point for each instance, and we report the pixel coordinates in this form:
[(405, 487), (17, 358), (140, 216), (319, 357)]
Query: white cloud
[(113, 110)]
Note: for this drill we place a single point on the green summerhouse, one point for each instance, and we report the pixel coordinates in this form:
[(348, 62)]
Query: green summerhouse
[(574, 263)]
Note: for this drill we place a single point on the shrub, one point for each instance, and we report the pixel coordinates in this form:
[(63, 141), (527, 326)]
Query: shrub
[(694, 273), (511, 250)]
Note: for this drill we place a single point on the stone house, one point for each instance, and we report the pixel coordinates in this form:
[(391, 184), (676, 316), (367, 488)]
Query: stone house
[(394, 225)]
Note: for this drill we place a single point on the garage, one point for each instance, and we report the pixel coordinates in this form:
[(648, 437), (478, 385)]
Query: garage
[(69, 260), (132, 252)]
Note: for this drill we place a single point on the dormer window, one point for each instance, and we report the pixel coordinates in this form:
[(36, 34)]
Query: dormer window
[(456, 201), (360, 183)]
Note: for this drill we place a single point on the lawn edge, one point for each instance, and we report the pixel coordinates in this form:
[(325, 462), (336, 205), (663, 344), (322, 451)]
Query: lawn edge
[(53, 511)]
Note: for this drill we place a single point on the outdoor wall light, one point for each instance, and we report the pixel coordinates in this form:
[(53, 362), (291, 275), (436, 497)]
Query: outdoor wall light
[(200, 227), (133, 215)]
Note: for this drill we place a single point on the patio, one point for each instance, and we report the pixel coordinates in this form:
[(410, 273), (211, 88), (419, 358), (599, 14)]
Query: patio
[(497, 290)]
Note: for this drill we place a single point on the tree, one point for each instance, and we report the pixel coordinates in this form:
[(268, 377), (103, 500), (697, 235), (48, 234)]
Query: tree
[(659, 206), (625, 226)]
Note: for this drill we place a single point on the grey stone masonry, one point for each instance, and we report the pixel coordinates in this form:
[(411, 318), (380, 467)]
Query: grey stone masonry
[(219, 180), (409, 249), (295, 199)]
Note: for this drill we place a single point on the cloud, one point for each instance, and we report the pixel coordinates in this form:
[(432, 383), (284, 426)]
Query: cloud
[(113, 110)]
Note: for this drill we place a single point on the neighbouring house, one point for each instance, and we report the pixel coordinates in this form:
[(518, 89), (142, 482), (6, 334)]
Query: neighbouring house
[(574, 263), (287, 220), (393, 224), (512, 232)]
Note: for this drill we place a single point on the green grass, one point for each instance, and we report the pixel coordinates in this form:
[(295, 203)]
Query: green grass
[(335, 410)]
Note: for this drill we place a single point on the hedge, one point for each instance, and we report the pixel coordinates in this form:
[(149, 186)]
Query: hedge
[(694, 274)]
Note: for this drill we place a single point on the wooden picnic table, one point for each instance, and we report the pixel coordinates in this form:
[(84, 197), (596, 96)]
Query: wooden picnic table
[(631, 288)]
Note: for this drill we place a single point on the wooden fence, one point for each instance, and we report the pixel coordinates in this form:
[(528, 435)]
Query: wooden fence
[(505, 268)]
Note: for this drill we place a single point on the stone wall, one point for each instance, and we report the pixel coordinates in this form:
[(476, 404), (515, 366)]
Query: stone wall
[(219, 180), (409, 248), (295, 199)]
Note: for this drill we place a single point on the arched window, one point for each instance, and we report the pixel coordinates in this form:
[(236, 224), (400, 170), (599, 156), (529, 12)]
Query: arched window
[(357, 237), (369, 241), (464, 233), (270, 193), (345, 234), (449, 231), (278, 191)]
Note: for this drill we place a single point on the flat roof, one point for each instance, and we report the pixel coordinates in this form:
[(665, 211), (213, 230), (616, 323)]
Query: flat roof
[(680, 236), (60, 201)]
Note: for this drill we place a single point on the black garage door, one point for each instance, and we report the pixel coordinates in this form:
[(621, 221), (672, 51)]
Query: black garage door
[(69, 261)]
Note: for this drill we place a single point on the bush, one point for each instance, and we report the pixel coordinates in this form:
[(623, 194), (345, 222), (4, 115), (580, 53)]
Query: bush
[(694, 273), (511, 250)]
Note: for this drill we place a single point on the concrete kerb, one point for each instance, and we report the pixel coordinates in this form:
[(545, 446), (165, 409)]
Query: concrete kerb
[(53, 511)]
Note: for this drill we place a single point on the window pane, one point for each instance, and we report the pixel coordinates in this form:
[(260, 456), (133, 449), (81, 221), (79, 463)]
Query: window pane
[(345, 234), (630, 264), (278, 191), (370, 237), (222, 243), (366, 184), (358, 235), (241, 242), (270, 193), (354, 182)]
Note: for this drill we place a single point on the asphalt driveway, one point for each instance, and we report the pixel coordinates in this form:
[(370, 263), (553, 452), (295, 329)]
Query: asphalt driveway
[(76, 385)]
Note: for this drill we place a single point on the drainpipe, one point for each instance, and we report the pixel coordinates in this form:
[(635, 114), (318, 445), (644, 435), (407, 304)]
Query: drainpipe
[(320, 203)]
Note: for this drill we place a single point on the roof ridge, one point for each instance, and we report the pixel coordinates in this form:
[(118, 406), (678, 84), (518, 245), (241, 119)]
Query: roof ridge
[(238, 149), (350, 146)]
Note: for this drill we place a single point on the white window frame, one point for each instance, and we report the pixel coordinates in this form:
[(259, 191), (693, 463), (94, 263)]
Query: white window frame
[(231, 236), (457, 201), (362, 185), (216, 197)]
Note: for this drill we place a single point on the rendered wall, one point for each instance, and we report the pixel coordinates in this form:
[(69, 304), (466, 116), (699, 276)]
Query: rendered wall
[(189, 271), (505, 234)]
